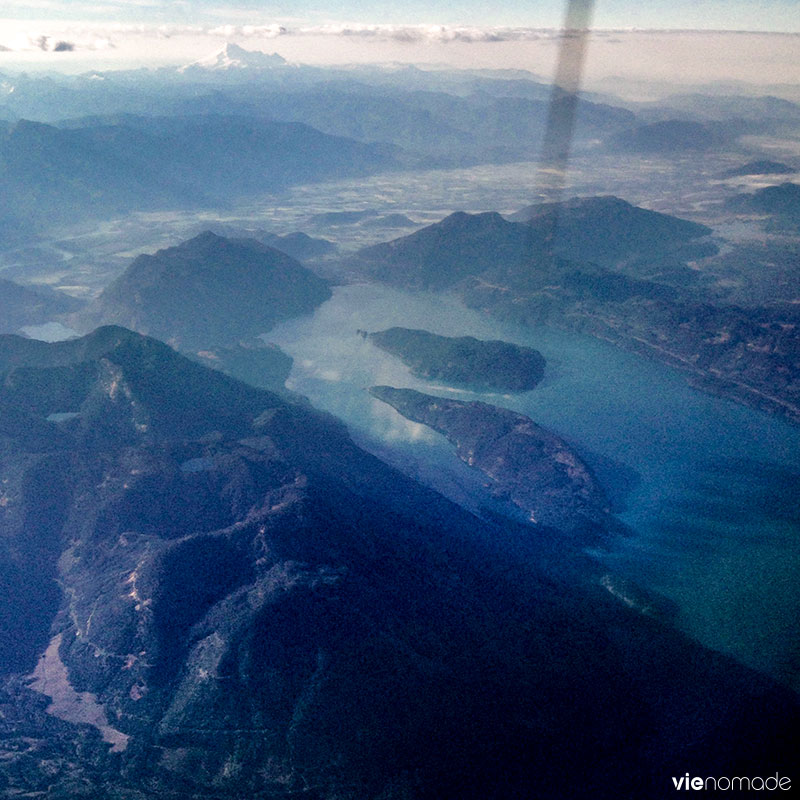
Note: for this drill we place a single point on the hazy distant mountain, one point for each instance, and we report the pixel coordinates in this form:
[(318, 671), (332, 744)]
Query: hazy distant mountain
[(252, 607), (782, 200), (348, 217), (99, 167), (391, 221), (208, 291), (21, 306), (300, 245), (437, 117), (444, 128), (759, 167), (674, 136), (781, 203), (767, 111)]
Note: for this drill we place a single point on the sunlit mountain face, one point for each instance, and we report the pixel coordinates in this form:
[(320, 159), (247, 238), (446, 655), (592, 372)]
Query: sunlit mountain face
[(352, 446)]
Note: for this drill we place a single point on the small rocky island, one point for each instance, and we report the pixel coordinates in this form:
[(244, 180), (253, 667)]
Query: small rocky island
[(463, 361), (526, 464)]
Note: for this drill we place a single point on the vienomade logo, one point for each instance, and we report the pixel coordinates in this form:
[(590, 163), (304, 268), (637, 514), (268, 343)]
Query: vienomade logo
[(723, 784)]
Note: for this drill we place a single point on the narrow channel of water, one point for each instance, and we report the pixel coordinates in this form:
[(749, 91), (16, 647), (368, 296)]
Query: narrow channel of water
[(715, 508)]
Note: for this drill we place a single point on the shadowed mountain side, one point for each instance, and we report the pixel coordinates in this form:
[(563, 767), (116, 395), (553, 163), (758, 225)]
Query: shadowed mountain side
[(300, 245), (264, 366), (605, 231), (780, 203), (208, 291), (759, 167), (438, 128), (264, 609), (679, 136), (444, 253)]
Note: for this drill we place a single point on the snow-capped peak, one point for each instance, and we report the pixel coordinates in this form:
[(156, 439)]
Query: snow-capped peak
[(234, 57)]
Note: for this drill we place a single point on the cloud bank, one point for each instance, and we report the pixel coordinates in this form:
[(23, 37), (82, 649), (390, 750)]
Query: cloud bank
[(69, 37)]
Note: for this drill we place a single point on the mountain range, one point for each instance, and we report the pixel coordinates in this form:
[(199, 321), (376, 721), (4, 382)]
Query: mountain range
[(255, 607), (100, 166), (602, 231), (608, 231), (678, 136)]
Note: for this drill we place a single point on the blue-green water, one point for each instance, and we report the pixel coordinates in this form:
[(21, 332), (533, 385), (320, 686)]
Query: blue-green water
[(715, 511)]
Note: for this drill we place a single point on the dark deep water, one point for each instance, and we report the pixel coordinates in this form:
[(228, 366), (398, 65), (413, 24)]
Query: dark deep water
[(714, 506)]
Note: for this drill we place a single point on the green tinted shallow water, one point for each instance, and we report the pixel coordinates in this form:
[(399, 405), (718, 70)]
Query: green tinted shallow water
[(715, 510)]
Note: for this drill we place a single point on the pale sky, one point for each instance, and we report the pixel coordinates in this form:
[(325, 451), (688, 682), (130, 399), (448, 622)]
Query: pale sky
[(754, 15), (81, 35)]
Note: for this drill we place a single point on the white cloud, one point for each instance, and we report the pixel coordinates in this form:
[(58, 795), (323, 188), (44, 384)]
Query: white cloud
[(671, 56), (432, 33), (259, 31), (88, 36)]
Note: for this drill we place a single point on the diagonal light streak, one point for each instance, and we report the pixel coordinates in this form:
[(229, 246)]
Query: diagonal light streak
[(564, 98)]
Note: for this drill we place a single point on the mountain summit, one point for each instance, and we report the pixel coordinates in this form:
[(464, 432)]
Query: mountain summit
[(233, 57), (209, 291)]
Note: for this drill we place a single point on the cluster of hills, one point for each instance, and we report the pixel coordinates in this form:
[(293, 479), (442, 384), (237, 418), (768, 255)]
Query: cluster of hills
[(604, 267)]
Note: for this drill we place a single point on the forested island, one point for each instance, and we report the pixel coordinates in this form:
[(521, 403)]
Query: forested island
[(464, 360)]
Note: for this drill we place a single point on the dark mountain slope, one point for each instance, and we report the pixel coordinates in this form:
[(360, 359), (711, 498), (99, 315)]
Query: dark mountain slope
[(605, 231), (441, 254), (678, 136), (780, 203), (759, 167), (265, 610)]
